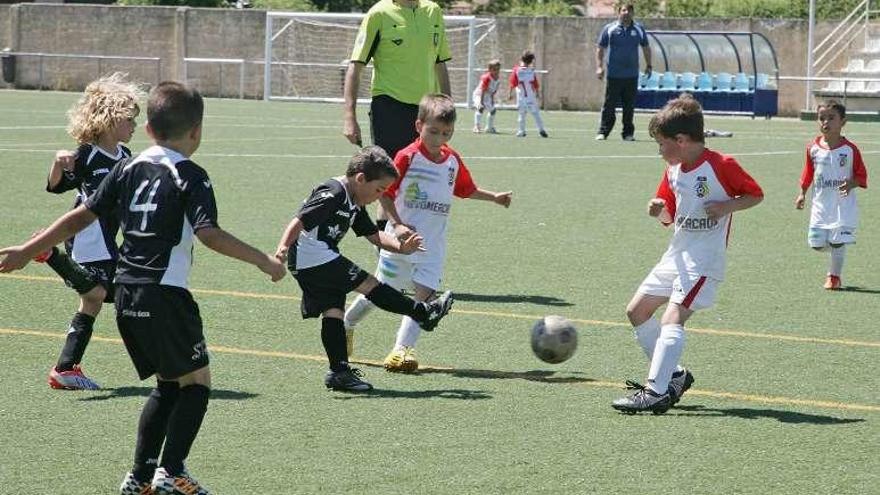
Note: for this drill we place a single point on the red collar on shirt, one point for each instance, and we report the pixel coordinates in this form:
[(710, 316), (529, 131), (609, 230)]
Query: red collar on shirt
[(824, 145), (688, 167), (444, 152)]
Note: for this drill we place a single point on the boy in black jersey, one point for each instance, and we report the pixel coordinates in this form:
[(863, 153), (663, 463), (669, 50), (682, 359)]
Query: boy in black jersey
[(162, 200), (310, 244), (102, 119)]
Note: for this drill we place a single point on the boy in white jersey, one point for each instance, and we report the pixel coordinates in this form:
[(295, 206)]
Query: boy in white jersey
[(418, 203), (834, 168), (699, 191), (484, 97), (525, 81)]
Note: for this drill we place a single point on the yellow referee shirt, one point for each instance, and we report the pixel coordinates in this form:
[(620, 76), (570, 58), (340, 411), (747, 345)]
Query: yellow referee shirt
[(405, 44)]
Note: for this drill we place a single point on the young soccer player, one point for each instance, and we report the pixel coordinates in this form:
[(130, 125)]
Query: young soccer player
[(835, 168), (162, 199), (525, 81), (102, 119), (310, 244), (699, 191), (484, 97), (419, 201)]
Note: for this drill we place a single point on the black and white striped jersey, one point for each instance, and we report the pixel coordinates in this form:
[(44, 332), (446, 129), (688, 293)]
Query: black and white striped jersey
[(327, 215), (97, 242), (161, 199)]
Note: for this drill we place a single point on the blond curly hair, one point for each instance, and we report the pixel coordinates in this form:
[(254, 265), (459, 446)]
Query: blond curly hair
[(104, 103)]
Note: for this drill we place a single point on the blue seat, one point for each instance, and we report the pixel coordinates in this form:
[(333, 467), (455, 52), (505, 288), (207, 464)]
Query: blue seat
[(669, 81), (741, 83), (763, 81), (723, 81), (649, 83), (688, 81), (704, 82)]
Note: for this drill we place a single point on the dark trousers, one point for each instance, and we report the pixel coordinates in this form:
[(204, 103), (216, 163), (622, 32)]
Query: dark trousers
[(392, 123), (623, 91)]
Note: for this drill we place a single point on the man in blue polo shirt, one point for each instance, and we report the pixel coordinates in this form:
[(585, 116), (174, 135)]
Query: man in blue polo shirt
[(622, 39)]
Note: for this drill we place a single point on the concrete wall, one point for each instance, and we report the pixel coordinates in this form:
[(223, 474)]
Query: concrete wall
[(566, 46)]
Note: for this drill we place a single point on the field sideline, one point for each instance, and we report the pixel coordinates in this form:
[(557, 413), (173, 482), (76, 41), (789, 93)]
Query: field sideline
[(786, 394)]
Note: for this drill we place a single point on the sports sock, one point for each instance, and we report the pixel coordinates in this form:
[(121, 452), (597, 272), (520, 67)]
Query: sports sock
[(408, 333), (358, 310), (81, 327), (667, 352), (646, 334), (390, 299), (333, 338), (490, 122), (478, 118), (152, 427), (183, 426), (538, 120), (837, 256)]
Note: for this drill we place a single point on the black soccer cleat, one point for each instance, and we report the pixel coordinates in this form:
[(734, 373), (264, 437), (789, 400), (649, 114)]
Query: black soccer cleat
[(644, 399), (679, 384), (437, 309), (543, 134), (347, 380)]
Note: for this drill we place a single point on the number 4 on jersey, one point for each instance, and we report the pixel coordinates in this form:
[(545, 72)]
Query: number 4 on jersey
[(147, 206)]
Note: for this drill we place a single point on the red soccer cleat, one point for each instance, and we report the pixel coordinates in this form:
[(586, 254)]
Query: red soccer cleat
[(832, 282)]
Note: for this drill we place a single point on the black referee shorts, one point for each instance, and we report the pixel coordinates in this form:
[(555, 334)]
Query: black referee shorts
[(161, 328), (392, 123), (325, 286)]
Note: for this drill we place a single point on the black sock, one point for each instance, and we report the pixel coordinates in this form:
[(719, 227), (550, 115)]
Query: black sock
[(78, 336), (152, 427), (333, 338), (380, 223), (183, 426), (390, 299)]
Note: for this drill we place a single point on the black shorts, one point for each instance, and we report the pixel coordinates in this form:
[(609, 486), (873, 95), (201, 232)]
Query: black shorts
[(392, 123), (161, 328), (83, 277), (325, 286)]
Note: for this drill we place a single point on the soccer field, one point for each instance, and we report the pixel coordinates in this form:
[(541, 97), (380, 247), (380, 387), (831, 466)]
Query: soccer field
[(786, 392)]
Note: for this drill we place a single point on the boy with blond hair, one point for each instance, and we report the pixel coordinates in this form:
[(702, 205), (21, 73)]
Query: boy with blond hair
[(700, 190)]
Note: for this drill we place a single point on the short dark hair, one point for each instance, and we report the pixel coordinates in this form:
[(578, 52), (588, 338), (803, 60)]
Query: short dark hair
[(437, 107), (528, 57), (833, 105), (373, 162), (683, 115), (630, 7), (173, 109)]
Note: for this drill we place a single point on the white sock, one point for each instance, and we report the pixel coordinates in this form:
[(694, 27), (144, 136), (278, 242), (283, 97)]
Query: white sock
[(490, 120), (646, 334), (408, 333), (667, 353), (478, 118), (357, 311), (538, 120), (837, 256)]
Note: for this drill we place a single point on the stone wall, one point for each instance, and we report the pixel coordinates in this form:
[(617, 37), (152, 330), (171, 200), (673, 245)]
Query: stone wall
[(566, 46)]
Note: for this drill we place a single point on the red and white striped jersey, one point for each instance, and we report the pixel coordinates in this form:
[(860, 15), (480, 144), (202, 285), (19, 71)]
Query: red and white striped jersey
[(826, 169), (423, 195), (525, 80), (699, 244)]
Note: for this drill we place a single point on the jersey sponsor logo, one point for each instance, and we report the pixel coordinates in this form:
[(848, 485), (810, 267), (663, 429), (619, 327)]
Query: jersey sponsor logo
[(451, 176), (342, 213), (100, 171), (701, 188), (353, 272), (821, 183), (696, 224), (414, 193), (334, 231), (199, 350), (135, 314)]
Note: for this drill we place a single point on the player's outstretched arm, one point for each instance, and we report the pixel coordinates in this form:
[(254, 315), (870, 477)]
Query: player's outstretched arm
[(227, 244), (499, 198), (17, 257), (401, 230), (387, 242)]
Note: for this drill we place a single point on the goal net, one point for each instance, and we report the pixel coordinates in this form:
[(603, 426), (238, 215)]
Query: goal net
[(309, 55)]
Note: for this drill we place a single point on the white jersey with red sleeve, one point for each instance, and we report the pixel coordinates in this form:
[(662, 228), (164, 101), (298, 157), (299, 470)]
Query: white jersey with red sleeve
[(699, 245), (423, 195), (525, 80), (827, 169), (484, 93)]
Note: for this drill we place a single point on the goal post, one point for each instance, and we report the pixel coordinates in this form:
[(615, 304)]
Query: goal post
[(307, 55)]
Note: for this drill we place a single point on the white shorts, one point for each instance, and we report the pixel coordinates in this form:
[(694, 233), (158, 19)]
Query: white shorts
[(487, 101), (689, 290), (401, 273), (822, 238)]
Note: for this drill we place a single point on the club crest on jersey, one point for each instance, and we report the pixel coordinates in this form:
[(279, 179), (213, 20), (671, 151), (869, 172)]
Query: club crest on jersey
[(842, 160), (334, 231), (701, 188), (353, 272)]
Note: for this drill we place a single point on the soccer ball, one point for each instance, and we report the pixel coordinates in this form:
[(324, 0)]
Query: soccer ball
[(554, 339)]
